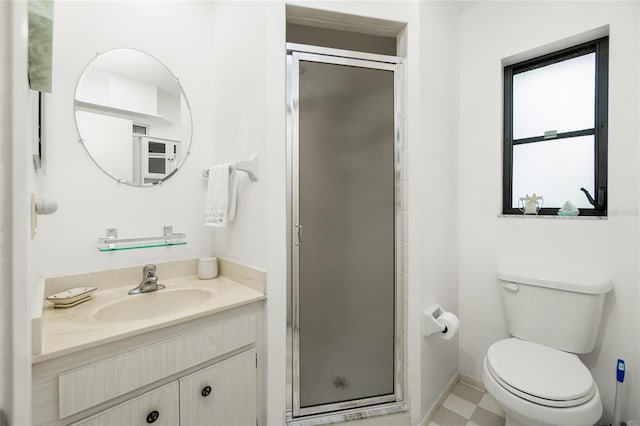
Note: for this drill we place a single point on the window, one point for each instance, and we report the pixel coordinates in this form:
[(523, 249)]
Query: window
[(555, 130)]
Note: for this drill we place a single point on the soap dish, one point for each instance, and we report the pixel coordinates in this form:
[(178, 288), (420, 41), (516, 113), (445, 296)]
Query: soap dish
[(68, 298), (72, 304)]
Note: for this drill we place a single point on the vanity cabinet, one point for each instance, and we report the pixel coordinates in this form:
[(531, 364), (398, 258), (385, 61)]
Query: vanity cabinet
[(158, 407), (221, 395), (204, 372)]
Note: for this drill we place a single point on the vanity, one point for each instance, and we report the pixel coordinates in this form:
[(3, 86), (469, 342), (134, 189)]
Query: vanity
[(189, 354), (178, 350)]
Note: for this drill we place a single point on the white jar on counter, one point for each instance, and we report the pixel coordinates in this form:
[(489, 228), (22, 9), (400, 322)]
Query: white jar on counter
[(207, 268)]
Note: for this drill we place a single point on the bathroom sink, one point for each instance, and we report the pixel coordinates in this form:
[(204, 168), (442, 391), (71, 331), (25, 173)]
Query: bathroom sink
[(152, 304)]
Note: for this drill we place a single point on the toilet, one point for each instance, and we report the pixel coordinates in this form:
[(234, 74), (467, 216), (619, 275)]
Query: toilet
[(535, 375)]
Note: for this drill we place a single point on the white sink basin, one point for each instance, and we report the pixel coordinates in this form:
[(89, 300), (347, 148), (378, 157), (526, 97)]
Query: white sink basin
[(153, 304)]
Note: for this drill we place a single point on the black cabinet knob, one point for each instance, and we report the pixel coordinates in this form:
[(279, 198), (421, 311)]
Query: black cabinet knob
[(206, 391), (153, 416)]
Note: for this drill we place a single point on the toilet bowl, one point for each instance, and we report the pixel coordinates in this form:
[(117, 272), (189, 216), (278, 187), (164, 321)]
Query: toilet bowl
[(535, 376), (540, 386)]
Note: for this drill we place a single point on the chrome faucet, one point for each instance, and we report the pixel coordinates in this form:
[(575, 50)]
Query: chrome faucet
[(149, 281)]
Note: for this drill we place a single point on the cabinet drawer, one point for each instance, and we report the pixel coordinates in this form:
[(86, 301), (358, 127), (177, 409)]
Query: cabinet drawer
[(221, 395), (158, 407), (101, 381)]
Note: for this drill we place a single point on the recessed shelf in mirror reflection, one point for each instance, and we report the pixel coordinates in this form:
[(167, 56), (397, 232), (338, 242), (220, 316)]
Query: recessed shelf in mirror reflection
[(119, 112), (124, 98)]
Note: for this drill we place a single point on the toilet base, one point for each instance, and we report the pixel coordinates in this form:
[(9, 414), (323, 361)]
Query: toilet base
[(513, 422), (510, 421)]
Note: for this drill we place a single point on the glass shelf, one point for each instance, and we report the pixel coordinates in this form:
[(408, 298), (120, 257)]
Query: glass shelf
[(111, 242)]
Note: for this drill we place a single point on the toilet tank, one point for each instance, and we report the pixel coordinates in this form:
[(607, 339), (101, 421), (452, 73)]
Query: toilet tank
[(554, 308)]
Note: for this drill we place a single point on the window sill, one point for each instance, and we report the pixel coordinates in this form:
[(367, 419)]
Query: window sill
[(549, 216)]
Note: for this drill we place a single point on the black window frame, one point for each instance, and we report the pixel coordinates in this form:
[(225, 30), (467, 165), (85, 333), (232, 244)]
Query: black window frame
[(601, 48)]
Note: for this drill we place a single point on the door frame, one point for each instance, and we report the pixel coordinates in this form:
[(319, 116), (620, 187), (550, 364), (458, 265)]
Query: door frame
[(392, 402)]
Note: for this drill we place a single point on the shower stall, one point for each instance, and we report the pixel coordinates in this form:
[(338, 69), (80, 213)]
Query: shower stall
[(345, 311)]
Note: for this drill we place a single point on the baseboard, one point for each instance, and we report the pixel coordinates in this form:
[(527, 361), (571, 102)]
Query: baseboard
[(440, 400), (472, 381)]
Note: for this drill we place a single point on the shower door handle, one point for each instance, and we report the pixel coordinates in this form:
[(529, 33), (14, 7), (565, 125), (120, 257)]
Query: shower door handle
[(299, 242)]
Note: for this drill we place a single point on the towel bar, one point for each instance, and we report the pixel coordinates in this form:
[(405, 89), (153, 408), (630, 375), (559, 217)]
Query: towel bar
[(249, 167)]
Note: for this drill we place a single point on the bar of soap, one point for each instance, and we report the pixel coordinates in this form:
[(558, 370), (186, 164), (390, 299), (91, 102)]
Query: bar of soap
[(72, 295)]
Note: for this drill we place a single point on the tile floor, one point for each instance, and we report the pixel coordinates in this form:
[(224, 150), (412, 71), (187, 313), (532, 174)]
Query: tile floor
[(468, 406)]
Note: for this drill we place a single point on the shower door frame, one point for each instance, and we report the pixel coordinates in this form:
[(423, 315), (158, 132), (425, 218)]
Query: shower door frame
[(377, 405)]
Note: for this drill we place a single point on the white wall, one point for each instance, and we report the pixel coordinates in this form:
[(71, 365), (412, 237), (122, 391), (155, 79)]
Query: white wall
[(437, 186), (490, 32), (239, 114), (18, 256), (248, 115), (276, 259), (91, 201), (5, 209)]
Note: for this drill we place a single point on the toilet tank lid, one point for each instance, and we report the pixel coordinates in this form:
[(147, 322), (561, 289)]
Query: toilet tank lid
[(577, 282)]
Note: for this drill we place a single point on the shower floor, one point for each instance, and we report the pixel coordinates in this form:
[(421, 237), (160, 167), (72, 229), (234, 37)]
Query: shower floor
[(468, 406)]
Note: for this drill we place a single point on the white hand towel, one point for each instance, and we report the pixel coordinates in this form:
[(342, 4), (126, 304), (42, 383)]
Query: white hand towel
[(222, 195)]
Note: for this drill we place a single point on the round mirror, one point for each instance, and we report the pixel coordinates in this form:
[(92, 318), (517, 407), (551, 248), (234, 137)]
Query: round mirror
[(133, 117)]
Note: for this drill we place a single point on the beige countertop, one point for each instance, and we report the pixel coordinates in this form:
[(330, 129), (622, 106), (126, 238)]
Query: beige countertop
[(105, 318)]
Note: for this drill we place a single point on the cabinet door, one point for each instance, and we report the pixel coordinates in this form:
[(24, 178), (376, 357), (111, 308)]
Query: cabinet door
[(158, 407), (221, 395)]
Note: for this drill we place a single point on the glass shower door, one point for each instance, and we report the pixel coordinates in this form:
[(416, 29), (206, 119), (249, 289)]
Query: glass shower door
[(344, 225)]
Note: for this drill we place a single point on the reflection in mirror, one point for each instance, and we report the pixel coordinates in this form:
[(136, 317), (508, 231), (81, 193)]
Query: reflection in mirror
[(133, 117)]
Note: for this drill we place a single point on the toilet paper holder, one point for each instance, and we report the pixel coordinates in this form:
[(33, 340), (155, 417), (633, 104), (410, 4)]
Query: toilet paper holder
[(431, 325)]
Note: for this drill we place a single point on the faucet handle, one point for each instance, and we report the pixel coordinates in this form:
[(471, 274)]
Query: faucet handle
[(149, 270)]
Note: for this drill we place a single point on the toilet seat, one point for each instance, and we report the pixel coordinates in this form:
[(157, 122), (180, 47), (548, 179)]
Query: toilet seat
[(540, 374)]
